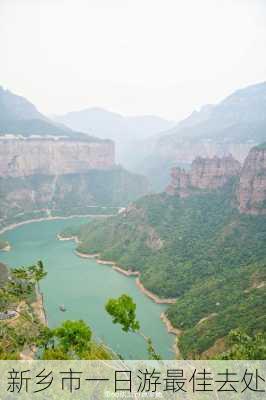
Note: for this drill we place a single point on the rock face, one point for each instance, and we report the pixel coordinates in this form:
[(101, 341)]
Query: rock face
[(205, 173), (252, 184), (211, 173), (26, 157)]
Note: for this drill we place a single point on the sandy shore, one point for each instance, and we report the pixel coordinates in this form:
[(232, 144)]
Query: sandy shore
[(126, 272), (83, 255), (153, 296), (170, 328)]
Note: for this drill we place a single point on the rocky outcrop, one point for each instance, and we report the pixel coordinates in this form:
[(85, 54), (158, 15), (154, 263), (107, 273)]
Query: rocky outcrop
[(252, 185), (26, 157), (211, 173), (205, 173), (180, 182)]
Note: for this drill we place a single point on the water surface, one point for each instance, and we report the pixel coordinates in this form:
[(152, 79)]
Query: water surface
[(84, 287)]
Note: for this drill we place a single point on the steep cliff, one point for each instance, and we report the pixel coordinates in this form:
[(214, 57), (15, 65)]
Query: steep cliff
[(252, 184), (205, 173), (25, 157)]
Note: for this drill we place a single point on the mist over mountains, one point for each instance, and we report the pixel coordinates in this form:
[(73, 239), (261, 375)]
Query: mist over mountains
[(18, 116), (106, 124), (128, 132), (240, 117), (232, 126), (149, 144)]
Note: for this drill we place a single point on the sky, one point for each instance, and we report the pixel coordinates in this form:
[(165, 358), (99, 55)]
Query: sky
[(162, 57)]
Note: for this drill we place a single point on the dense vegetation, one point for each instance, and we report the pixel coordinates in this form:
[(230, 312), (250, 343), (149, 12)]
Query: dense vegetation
[(199, 250), (25, 332), (3, 274), (245, 347), (19, 295)]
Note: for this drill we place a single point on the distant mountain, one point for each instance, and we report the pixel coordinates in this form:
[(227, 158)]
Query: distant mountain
[(106, 124), (233, 126), (239, 118), (18, 116), (14, 107)]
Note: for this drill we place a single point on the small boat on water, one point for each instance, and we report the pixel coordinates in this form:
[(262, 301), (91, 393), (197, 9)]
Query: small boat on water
[(62, 308)]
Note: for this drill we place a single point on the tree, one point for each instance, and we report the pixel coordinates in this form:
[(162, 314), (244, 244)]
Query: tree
[(245, 347), (37, 272), (46, 338), (55, 354), (123, 312), (74, 336)]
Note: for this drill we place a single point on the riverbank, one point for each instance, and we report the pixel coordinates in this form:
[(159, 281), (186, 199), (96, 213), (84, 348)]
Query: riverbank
[(174, 331), (126, 272), (169, 327), (83, 255), (153, 296), (51, 218)]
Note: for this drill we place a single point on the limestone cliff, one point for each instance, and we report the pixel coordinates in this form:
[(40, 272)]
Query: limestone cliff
[(211, 173), (26, 157), (205, 173), (252, 184)]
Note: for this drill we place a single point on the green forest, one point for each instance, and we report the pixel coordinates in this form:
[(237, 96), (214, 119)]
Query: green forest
[(200, 251)]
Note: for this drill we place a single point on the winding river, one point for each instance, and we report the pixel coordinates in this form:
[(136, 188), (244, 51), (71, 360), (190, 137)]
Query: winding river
[(84, 286)]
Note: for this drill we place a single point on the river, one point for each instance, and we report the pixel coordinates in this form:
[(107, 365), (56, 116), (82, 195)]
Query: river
[(84, 286)]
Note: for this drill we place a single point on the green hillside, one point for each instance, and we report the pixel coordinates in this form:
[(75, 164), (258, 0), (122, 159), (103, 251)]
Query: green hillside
[(199, 250), (3, 274)]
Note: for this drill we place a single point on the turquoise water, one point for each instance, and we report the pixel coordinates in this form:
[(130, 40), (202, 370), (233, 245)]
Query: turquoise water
[(84, 286)]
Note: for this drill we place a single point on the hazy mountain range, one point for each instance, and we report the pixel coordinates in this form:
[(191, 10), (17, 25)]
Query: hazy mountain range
[(106, 124), (20, 117), (150, 144), (232, 126), (240, 117), (127, 132)]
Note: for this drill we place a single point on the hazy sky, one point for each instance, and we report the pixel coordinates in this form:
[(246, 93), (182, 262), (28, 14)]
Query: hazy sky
[(164, 57)]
